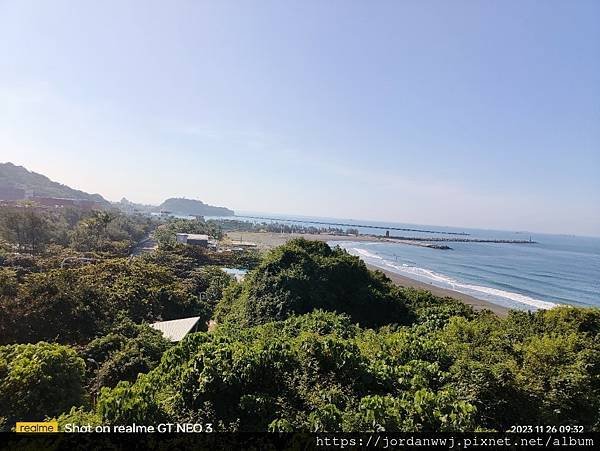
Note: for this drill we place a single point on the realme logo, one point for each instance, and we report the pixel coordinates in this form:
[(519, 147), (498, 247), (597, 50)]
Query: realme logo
[(43, 426)]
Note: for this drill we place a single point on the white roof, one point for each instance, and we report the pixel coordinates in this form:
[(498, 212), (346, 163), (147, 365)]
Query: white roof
[(177, 329), (194, 236)]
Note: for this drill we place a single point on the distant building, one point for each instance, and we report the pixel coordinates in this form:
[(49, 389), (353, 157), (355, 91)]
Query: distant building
[(60, 202), (176, 330), (193, 239)]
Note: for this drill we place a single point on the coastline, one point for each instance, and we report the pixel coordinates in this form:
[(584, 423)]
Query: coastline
[(268, 240), (477, 304)]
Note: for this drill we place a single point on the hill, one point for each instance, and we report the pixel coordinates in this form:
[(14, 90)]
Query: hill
[(15, 179), (181, 206)]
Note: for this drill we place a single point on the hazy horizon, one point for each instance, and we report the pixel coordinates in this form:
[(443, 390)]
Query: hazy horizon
[(282, 214), (466, 114)]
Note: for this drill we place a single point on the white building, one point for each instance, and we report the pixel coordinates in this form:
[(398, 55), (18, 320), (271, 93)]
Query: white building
[(192, 238)]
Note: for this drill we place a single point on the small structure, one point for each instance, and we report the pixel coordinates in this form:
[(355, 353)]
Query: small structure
[(192, 238), (176, 330)]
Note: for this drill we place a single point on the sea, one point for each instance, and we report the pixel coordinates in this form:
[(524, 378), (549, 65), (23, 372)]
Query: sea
[(552, 270)]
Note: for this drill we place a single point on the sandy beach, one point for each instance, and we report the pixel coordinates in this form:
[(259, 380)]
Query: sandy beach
[(477, 304), (268, 240)]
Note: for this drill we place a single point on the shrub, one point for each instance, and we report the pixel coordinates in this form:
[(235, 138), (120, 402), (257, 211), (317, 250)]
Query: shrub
[(302, 276), (39, 380)]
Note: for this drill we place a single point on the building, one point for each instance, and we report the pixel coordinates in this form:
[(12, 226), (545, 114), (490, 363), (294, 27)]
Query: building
[(192, 238), (60, 202), (176, 330)]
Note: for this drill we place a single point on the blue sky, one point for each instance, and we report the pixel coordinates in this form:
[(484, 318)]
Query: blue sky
[(465, 113)]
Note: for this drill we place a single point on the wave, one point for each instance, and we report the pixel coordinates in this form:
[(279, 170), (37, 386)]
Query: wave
[(366, 253), (494, 295)]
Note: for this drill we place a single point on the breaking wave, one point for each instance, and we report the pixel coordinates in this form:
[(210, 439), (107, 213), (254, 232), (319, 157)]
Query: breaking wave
[(494, 295)]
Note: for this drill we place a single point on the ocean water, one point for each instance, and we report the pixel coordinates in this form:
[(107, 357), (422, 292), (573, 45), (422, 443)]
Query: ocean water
[(557, 269)]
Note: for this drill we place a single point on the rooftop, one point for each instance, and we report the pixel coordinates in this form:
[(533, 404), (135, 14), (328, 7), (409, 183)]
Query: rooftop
[(194, 236), (177, 329)]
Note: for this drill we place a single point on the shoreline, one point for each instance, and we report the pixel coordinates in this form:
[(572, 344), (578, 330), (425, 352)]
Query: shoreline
[(477, 304), (269, 240)]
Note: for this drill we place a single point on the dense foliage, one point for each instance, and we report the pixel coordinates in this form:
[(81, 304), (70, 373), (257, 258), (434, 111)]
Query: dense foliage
[(302, 276), (27, 229), (319, 372), (183, 258), (126, 351), (75, 305), (541, 368), (39, 380), (314, 372)]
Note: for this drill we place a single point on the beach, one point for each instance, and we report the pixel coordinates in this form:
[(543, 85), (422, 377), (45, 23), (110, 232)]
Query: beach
[(477, 304), (268, 240)]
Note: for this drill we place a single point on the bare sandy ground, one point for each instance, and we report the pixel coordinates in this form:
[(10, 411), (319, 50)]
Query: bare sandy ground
[(268, 240)]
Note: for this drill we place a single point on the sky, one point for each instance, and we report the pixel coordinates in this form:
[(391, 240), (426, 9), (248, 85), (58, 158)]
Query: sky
[(464, 113)]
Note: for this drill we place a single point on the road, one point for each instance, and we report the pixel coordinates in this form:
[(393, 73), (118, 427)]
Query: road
[(148, 244)]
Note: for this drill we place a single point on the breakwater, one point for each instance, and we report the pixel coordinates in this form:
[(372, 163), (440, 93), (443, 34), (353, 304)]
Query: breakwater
[(342, 224), (457, 240)]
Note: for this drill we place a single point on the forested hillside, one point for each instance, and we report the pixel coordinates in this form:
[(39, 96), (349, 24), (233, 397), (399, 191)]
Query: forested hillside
[(13, 176)]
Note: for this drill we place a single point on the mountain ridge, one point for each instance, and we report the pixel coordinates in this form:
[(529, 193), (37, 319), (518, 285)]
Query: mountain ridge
[(183, 206), (17, 181), (20, 178)]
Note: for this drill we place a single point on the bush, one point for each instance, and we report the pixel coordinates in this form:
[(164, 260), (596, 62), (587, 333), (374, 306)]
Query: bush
[(76, 305), (39, 380), (302, 276), (311, 372), (127, 351), (541, 368)]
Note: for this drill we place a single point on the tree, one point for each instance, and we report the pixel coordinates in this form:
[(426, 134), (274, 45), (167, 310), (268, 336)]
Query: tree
[(39, 380), (25, 227), (309, 372), (530, 368), (76, 305), (128, 350), (321, 372), (91, 232), (302, 275)]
